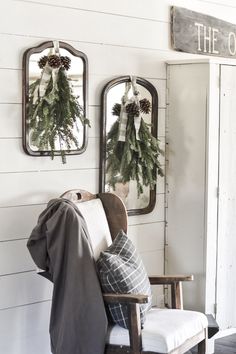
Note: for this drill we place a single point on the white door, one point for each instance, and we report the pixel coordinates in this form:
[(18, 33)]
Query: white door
[(226, 264)]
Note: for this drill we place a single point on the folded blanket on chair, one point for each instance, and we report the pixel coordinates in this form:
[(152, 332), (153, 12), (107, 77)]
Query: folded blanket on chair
[(59, 244)]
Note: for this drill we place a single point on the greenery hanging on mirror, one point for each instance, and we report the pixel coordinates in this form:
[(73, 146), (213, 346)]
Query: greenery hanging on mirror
[(132, 151), (53, 109)]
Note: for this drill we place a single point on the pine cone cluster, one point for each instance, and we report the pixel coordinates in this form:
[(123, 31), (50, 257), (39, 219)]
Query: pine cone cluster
[(145, 106), (54, 61), (132, 109), (65, 62), (116, 109), (42, 61)]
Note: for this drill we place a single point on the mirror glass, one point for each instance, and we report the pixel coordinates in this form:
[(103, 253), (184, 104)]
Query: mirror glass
[(76, 74), (112, 94)]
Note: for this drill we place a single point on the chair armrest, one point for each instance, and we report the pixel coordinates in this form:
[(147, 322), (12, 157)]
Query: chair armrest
[(169, 279), (125, 298), (132, 301), (176, 287)]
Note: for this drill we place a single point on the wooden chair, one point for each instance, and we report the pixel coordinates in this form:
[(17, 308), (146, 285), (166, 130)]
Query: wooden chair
[(180, 330)]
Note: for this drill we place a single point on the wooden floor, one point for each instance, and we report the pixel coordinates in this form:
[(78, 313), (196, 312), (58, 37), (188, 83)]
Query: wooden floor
[(225, 345)]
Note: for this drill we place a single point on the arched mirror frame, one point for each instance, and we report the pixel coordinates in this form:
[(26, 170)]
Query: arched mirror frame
[(154, 121), (25, 95)]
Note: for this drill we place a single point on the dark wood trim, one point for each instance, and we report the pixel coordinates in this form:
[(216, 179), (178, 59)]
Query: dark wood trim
[(153, 92), (125, 298), (25, 95), (169, 279), (135, 335)]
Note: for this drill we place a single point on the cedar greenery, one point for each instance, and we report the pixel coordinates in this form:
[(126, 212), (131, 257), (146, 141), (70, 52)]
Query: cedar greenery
[(133, 159), (54, 116)]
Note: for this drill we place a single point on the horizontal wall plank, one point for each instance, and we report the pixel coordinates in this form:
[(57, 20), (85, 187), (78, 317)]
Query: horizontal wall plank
[(156, 215), (24, 330), (153, 261), (102, 59), (148, 237), (40, 187), (18, 222), (156, 10), (17, 160), (121, 8), (11, 121), (22, 289), (125, 35), (11, 93), (15, 257), (97, 82)]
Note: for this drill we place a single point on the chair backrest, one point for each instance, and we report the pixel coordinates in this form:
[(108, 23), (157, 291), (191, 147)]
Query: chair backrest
[(105, 215)]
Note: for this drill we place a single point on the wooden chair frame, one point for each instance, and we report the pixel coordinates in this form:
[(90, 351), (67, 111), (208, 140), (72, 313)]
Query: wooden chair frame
[(117, 219)]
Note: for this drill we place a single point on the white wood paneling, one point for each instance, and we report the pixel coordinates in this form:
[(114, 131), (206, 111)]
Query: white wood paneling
[(14, 257), (155, 216), (16, 160), (125, 36), (155, 11), (11, 121), (147, 238), (24, 330), (119, 38), (12, 92), (226, 267), (23, 289), (39, 187), (186, 176), (18, 222)]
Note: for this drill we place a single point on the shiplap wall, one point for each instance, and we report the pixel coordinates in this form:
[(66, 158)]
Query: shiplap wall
[(119, 37)]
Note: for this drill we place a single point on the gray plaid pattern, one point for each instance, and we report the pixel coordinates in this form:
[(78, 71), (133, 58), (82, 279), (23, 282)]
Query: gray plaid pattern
[(121, 271)]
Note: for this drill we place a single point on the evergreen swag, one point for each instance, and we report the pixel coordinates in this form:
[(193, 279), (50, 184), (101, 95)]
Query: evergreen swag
[(53, 116), (133, 159)]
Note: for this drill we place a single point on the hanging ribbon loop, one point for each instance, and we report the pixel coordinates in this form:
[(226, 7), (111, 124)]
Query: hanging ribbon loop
[(124, 102), (123, 114), (47, 73)]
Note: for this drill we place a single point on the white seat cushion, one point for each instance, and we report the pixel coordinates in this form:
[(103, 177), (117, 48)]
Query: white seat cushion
[(97, 224), (164, 329)]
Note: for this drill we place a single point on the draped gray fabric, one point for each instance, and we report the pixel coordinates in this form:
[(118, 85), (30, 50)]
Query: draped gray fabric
[(59, 244)]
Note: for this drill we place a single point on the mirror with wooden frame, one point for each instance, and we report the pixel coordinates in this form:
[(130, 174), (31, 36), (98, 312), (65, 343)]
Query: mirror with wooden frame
[(124, 161), (55, 102)]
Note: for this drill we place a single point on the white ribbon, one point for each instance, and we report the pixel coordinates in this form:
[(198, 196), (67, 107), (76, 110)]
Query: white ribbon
[(123, 115), (136, 97), (46, 75)]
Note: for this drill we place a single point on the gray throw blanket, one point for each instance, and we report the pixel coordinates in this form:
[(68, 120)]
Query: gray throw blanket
[(60, 245)]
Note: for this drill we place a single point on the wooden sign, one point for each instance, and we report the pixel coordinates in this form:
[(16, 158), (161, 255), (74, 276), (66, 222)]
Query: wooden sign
[(193, 32)]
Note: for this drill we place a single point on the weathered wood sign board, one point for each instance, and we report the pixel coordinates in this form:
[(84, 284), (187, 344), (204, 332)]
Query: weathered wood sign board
[(193, 32)]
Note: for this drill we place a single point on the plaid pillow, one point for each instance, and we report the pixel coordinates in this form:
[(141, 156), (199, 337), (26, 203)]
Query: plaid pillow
[(121, 271)]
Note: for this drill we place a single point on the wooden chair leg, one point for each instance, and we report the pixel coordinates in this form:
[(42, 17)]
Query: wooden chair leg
[(202, 347)]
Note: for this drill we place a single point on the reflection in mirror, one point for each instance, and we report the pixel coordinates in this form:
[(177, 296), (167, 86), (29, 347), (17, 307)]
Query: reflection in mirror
[(129, 148), (55, 100)]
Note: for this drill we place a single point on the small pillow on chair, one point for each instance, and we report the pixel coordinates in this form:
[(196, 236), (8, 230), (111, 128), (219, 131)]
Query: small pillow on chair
[(121, 271)]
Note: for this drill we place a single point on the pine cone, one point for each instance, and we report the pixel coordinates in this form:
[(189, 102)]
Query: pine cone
[(116, 109), (65, 62), (132, 109), (42, 61), (54, 61), (145, 105)]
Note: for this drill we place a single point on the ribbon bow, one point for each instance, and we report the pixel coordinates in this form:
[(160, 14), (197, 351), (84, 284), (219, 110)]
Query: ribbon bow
[(123, 115), (47, 73)]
